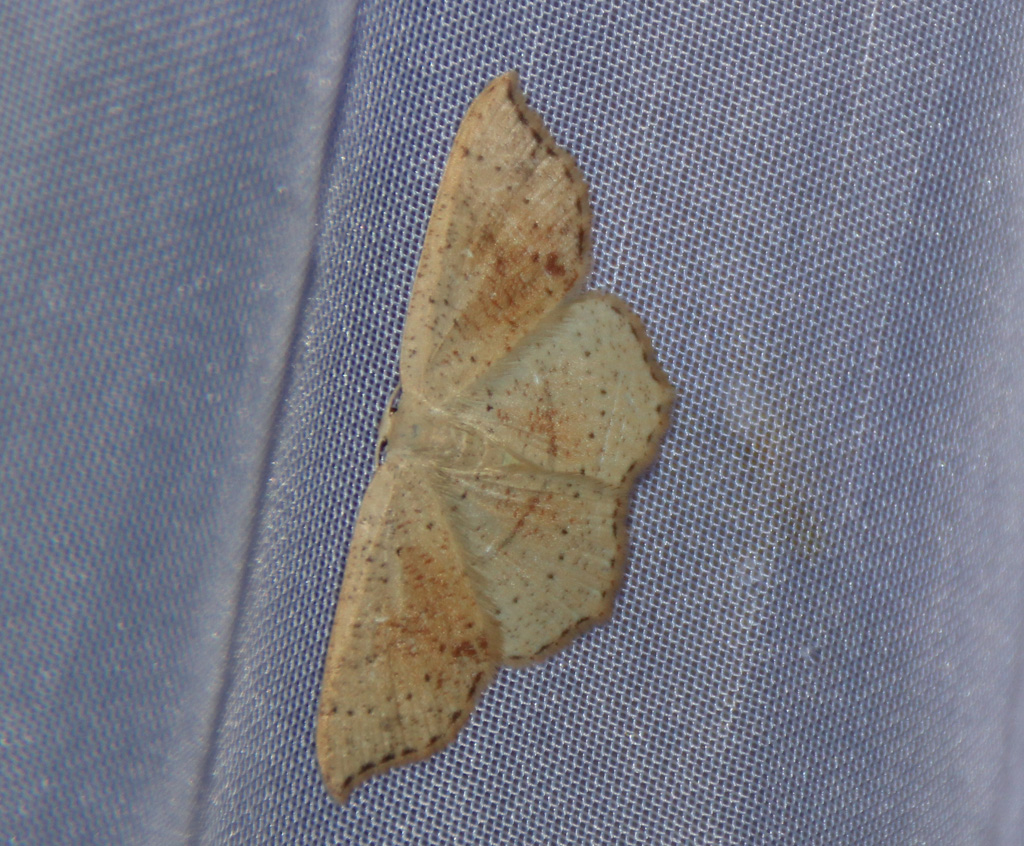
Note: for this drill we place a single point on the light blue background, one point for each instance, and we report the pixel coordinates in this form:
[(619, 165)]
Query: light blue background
[(209, 225)]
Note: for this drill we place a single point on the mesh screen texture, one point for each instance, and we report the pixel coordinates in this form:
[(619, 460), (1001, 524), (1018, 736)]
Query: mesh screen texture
[(817, 209)]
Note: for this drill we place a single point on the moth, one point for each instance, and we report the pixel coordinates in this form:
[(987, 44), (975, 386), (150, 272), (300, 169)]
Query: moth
[(493, 531)]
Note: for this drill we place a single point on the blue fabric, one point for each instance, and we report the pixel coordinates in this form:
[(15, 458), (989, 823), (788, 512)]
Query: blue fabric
[(209, 228), (162, 168)]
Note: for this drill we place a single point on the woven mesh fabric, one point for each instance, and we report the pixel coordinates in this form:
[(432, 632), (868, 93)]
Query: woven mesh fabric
[(818, 210), (155, 221)]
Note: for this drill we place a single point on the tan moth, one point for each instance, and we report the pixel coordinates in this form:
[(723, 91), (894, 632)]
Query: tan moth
[(493, 532)]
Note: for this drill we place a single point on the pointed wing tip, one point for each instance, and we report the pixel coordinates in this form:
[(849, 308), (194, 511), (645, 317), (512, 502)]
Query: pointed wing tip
[(341, 777), (507, 85), (509, 79), (340, 781), (343, 770)]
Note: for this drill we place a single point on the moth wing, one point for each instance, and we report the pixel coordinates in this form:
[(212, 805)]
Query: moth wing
[(546, 550), (583, 394), (508, 238), (411, 649)]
